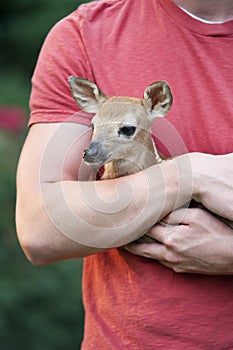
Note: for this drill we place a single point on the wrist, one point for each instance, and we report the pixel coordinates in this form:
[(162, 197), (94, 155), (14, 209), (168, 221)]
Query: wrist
[(178, 178), (197, 176), (202, 173)]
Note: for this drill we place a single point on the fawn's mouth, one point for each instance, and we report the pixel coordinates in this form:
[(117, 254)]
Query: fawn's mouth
[(96, 157)]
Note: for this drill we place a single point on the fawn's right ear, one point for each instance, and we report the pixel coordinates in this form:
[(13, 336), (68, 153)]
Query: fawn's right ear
[(157, 99), (87, 94)]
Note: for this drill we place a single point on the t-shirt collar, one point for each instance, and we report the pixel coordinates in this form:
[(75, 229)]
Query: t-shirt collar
[(184, 19)]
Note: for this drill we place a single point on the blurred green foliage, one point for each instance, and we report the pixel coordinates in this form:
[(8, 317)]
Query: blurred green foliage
[(24, 25), (40, 308)]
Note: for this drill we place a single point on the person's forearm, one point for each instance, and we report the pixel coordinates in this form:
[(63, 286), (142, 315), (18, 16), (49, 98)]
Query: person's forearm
[(111, 213), (81, 218)]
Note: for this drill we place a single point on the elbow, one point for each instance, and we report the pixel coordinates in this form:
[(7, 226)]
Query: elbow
[(34, 248), (34, 253), (32, 237)]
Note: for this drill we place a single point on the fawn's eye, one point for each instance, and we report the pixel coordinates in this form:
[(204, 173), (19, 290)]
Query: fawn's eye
[(127, 130), (92, 126)]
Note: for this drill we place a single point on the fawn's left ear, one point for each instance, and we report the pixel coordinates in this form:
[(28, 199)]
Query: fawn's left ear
[(87, 94), (157, 99)]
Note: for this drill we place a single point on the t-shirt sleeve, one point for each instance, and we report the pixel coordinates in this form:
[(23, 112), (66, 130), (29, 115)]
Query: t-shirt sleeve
[(63, 54)]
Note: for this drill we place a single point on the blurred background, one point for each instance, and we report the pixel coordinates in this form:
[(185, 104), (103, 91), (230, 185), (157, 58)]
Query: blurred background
[(40, 307)]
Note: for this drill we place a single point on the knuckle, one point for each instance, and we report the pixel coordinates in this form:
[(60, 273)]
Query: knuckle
[(170, 242), (172, 258)]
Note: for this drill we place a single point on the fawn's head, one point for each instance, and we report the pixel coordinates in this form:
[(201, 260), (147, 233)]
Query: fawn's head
[(119, 123)]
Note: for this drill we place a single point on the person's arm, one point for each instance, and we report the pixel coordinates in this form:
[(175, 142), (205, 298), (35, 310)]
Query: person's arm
[(197, 241), (60, 215), (213, 184), (194, 242)]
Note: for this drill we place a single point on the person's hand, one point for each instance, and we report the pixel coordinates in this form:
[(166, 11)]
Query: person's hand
[(194, 241), (213, 184)]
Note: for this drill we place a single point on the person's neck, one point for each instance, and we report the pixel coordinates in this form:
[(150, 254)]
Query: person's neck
[(209, 10)]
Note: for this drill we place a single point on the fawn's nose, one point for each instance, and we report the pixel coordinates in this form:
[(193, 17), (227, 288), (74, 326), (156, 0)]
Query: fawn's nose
[(91, 155)]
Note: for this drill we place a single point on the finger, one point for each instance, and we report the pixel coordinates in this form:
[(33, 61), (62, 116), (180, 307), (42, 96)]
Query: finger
[(179, 216), (161, 232), (147, 250), (157, 252), (176, 267)]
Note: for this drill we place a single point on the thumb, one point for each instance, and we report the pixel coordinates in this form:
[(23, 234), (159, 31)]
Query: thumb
[(177, 217)]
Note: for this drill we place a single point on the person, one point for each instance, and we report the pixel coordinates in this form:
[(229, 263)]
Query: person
[(175, 293)]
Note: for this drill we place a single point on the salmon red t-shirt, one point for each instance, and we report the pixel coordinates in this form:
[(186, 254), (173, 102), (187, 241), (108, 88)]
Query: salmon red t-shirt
[(123, 46)]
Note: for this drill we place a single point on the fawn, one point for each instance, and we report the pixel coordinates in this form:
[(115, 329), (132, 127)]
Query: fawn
[(121, 139)]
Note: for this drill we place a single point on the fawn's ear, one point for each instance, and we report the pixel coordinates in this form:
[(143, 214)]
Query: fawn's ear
[(157, 99), (87, 94)]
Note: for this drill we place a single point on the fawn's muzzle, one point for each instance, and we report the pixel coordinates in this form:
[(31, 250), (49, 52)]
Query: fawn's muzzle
[(94, 154)]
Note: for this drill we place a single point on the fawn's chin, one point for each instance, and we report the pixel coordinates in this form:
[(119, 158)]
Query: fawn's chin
[(95, 164)]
